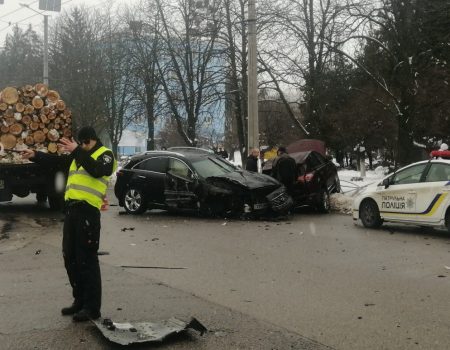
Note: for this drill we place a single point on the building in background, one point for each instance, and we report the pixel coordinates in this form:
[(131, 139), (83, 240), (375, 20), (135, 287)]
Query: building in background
[(132, 141)]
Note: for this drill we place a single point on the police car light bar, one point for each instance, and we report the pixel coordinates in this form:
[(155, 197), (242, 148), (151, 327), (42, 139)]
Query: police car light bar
[(442, 154)]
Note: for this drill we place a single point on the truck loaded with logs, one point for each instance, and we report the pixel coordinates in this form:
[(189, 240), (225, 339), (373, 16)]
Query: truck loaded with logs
[(31, 117)]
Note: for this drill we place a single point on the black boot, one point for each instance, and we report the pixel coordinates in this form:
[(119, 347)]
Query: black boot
[(74, 308), (86, 315)]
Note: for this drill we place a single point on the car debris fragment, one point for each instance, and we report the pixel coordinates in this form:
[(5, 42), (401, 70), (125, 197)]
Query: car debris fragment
[(132, 333)]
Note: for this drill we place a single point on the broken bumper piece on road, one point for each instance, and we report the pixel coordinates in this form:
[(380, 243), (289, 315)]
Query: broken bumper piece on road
[(143, 332)]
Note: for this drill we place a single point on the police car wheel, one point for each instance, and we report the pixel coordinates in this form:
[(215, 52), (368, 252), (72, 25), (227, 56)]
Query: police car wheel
[(447, 219), (369, 214), (134, 201)]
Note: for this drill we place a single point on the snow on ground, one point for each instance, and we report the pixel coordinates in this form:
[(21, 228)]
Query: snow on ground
[(351, 185)]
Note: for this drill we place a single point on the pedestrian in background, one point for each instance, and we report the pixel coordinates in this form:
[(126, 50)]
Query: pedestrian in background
[(89, 165), (252, 161), (223, 153)]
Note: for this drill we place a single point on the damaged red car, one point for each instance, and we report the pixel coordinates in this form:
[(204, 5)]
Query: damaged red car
[(196, 180), (316, 179)]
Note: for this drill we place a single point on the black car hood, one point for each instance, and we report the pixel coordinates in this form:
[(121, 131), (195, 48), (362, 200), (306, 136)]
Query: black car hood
[(247, 179)]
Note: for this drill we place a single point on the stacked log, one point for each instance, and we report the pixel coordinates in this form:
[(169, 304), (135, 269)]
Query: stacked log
[(33, 117)]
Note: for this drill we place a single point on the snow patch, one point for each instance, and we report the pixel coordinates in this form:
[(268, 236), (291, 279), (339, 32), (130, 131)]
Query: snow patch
[(351, 185)]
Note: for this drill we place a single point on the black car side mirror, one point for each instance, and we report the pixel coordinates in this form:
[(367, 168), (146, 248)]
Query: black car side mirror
[(386, 182)]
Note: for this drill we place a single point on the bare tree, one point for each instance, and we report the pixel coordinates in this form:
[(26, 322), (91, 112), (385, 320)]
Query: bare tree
[(119, 98), (77, 66), (297, 54), (145, 51), (191, 70), (399, 57), (234, 34)]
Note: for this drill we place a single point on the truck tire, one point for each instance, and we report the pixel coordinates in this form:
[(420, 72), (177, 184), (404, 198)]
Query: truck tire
[(56, 202), (41, 197)]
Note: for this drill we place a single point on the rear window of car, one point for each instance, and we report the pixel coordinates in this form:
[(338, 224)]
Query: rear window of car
[(312, 162), (158, 165), (128, 164), (320, 158), (438, 172)]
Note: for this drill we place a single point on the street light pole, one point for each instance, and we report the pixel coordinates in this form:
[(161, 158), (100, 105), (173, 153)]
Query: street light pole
[(253, 125)]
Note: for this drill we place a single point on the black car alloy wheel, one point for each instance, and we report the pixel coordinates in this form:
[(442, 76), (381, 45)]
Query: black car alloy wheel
[(369, 214), (134, 201)]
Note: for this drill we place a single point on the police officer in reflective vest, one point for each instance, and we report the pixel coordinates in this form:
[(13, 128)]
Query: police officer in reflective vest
[(90, 165)]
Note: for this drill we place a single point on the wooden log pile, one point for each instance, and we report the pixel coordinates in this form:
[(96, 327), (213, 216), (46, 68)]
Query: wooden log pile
[(33, 117)]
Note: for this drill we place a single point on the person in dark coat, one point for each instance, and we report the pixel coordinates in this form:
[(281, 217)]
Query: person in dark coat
[(223, 153), (252, 161), (284, 169)]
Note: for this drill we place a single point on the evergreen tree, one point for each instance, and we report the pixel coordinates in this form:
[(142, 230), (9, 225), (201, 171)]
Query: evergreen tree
[(21, 60), (77, 67)]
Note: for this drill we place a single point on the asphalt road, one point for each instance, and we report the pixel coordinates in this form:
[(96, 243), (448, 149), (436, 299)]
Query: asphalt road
[(310, 282)]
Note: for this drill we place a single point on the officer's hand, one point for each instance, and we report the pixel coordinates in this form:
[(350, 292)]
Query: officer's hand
[(28, 153), (67, 145)]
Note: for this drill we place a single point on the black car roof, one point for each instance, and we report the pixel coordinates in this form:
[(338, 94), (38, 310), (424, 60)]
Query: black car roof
[(181, 153), (190, 150)]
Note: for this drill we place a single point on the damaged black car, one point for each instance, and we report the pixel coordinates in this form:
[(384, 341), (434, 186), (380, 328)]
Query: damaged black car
[(191, 179)]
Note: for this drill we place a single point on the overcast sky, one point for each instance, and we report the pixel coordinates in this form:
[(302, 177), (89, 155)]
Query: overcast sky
[(11, 12)]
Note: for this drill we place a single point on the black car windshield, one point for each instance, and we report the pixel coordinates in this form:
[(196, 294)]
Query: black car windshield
[(207, 167)]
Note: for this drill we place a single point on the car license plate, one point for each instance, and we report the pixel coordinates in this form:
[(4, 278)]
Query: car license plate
[(2, 184), (258, 206)]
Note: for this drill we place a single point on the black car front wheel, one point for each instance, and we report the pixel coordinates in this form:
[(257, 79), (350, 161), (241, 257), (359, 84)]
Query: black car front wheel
[(323, 204), (134, 201), (370, 214)]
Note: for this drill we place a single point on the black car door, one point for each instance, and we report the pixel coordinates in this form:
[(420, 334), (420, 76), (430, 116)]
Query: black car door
[(149, 175), (180, 185)]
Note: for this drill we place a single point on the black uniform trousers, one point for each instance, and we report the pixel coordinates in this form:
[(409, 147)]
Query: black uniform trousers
[(81, 237)]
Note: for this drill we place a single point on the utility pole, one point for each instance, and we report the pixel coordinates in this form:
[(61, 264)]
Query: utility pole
[(45, 80), (46, 50), (46, 5), (253, 124)]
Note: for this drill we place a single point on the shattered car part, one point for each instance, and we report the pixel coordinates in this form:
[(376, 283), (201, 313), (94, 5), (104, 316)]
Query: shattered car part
[(132, 333)]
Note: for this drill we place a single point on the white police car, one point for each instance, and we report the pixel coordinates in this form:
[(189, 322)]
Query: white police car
[(416, 194)]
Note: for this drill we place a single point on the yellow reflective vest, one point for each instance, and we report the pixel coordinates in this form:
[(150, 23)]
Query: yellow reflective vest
[(84, 187)]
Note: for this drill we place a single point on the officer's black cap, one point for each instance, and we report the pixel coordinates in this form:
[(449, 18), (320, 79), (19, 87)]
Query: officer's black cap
[(87, 133)]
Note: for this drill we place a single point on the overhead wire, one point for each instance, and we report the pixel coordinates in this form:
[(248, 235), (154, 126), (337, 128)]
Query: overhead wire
[(18, 9), (22, 20)]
